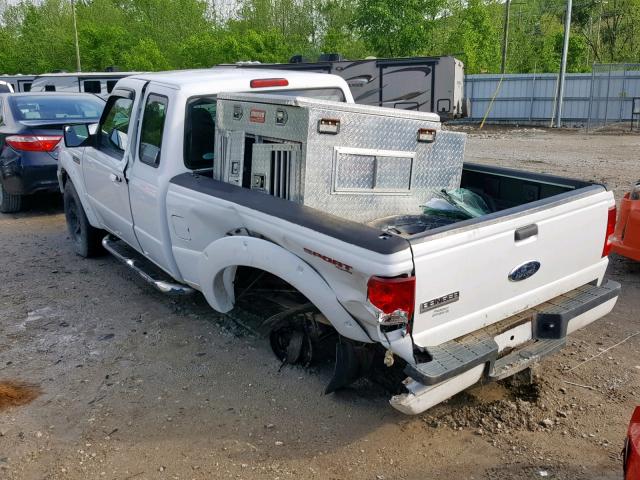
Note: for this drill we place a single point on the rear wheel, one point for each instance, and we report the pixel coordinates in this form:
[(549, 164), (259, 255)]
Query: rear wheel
[(9, 203), (86, 239)]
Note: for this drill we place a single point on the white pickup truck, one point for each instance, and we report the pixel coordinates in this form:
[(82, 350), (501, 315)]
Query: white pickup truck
[(198, 189)]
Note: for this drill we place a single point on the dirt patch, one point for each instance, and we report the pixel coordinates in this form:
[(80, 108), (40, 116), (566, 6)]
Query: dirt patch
[(14, 394)]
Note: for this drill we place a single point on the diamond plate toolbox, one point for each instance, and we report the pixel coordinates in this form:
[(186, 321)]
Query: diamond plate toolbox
[(357, 162)]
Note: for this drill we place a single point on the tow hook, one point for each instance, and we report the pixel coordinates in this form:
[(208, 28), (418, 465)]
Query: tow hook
[(388, 358)]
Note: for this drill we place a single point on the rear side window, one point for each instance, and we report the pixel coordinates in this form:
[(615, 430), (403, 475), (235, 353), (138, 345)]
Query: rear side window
[(92, 86), (331, 94), (49, 88), (111, 85), (155, 113), (56, 107), (114, 127), (200, 131)]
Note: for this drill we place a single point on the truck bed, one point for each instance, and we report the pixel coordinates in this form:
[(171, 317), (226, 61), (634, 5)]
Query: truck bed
[(558, 223), (511, 191)]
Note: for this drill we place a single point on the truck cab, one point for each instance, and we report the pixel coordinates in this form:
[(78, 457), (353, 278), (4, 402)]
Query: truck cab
[(126, 171)]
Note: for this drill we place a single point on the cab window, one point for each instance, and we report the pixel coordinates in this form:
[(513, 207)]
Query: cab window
[(114, 126), (155, 113), (331, 94), (200, 131)]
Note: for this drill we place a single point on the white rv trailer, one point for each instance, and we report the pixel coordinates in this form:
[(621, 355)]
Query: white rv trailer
[(428, 84), (99, 83), (18, 82)]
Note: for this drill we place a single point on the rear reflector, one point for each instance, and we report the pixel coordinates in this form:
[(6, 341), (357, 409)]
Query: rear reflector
[(269, 82), (33, 143), (611, 226), (391, 295)]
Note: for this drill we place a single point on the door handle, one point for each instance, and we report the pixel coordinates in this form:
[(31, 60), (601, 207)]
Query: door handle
[(526, 232), (115, 178)]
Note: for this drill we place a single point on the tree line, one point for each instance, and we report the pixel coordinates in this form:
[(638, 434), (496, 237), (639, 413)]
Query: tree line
[(146, 35)]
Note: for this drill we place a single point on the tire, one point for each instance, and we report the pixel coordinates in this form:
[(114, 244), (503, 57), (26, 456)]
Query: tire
[(9, 203), (86, 239)]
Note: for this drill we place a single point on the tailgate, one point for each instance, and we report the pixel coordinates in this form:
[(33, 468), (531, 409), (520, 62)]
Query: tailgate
[(490, 268)]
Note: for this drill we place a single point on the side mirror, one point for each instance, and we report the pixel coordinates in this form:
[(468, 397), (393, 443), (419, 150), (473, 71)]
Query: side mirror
[(76, 135), (149, 154)]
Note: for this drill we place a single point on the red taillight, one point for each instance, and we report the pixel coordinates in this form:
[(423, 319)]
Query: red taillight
[(392, 294), (33, 143), (269, 82), (611, 226)]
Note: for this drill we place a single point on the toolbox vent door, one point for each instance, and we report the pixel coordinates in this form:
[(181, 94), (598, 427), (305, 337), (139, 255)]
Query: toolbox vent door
[(361, 170), (275, 169)]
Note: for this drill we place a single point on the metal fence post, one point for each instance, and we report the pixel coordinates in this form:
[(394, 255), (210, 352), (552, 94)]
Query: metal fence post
[(623, 95), (606, 102), (472, 97), (593, 71), (533, 94), (555, 102)]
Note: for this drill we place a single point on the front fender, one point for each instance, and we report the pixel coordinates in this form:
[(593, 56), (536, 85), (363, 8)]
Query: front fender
[(73, 172), (220, 259)]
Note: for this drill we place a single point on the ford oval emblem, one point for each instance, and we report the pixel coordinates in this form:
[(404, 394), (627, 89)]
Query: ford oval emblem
[(524, 271)]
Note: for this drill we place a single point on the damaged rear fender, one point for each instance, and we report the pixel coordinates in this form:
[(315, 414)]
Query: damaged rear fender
[(221, 258)]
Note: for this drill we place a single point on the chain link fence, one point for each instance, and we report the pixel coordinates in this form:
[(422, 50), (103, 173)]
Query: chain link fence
[(613, 89), (593, 100)]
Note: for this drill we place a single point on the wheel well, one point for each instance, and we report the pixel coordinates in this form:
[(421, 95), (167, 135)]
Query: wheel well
[(263, 292), (223, 270)]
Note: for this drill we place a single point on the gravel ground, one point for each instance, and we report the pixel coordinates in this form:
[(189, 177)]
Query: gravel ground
[(136, 385)]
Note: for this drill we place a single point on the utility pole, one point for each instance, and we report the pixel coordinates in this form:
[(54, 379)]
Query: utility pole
[(75, 33), (563, 65), (505, 36)]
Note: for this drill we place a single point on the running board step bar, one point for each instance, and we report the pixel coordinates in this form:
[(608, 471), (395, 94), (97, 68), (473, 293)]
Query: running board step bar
[(144, 268), (549, 322)]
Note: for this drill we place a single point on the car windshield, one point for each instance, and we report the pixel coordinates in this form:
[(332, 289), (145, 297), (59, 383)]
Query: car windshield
[(63, 107)]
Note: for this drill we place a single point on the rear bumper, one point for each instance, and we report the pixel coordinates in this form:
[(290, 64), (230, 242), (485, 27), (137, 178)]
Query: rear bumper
[(626, 238), (504, 348), (25, 180)]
